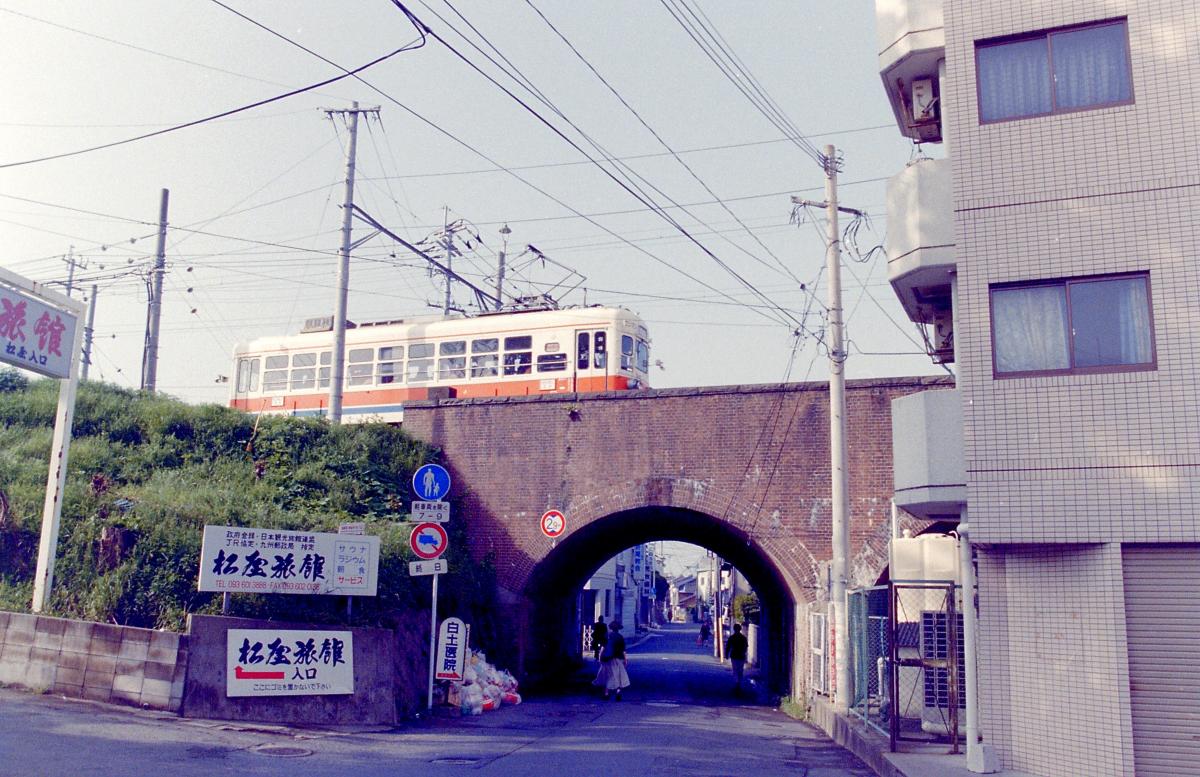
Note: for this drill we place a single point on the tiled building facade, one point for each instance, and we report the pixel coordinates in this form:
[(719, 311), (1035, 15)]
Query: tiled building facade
[(1072, 134)]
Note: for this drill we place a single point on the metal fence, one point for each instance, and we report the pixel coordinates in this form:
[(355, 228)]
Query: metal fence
[(906, 660)]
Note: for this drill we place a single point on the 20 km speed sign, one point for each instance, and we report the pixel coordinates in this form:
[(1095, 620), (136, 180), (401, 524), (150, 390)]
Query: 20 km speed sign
[(554, 523), (428, 540)]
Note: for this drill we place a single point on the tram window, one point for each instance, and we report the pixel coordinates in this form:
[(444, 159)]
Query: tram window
[(247, 375), (643, 355), (360, 374), (326, 358), (517, 363), (600, 349), (452, 348), (304, 359), (419, 370), (484, 366), (521, 343), (518, 355), (391, 366), (487, 345), (305, 378), (360, 355), (626, 352), (420, 351), (453, 368), (583, 356), (275, 380), (277, 362), (323, 377), (552, 362)]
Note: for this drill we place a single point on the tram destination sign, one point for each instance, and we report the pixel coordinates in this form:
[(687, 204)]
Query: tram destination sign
[(275, 561)]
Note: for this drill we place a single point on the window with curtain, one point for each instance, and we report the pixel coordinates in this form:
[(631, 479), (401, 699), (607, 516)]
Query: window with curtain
[(1056, 71), (1076, 325)]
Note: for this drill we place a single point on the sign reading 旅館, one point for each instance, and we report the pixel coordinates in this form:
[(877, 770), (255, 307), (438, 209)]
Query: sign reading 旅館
[(35, 336), (284, 662), (274, 561)]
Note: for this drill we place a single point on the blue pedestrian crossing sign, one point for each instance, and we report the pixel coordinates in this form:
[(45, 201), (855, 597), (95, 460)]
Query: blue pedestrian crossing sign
[(431, 482)]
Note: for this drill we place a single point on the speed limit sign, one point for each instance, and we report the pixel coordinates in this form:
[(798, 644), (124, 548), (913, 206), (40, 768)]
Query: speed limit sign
[(554, 523)]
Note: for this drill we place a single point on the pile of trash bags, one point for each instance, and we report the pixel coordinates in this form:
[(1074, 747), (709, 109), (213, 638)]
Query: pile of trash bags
[(484, 687)]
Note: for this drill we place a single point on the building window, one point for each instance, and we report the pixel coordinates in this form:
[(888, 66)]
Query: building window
[(1078, 325), (1054, 72)]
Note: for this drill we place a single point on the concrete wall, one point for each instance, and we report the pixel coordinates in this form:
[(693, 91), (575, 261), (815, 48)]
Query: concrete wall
[(373, 701), (97, 661)]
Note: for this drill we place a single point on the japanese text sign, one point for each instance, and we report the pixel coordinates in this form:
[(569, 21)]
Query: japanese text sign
[(35, 336), (280, 662), (274, 561), (453, 639)]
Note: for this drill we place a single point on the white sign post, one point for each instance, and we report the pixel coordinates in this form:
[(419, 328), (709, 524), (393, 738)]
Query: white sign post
[(270, 662), (40, 332), (453, 640)]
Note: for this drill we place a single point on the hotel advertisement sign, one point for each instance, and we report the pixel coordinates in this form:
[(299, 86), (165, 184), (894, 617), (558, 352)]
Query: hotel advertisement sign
[(35, 336), (275, 561), (284, 662)]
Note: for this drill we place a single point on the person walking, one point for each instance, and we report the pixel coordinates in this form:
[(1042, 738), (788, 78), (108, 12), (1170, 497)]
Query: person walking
[(613, 675), (736, 648), (599, 636)]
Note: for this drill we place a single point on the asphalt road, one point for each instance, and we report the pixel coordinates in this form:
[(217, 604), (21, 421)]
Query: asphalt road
[(680, 718)]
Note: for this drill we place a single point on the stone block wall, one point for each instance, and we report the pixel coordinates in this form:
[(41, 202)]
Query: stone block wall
[(97, 661)]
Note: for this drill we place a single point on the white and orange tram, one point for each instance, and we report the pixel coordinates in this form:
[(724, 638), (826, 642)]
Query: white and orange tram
[(389, 363)]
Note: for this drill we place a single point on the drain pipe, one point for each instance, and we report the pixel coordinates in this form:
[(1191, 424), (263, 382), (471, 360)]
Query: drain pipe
[(981, 759)]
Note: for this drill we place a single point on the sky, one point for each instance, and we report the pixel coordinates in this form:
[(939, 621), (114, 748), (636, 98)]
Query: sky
[(255, 196)]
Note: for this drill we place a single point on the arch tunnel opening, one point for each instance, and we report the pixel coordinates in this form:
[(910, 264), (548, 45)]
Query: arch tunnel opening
[(550, 650)]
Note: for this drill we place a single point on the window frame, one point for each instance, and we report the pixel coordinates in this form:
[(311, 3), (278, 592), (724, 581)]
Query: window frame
[(1065, 284), (1046, 36)]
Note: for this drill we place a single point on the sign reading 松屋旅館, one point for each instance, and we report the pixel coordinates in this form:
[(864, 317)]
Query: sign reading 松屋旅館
[(276, 561), (34, 335), (288, 662)]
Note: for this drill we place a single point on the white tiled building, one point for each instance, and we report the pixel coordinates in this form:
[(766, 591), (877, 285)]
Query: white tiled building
[(1055, 256)]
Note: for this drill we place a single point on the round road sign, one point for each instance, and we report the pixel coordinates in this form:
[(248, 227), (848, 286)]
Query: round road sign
[(428, 540), (431, 482), (554, 523)]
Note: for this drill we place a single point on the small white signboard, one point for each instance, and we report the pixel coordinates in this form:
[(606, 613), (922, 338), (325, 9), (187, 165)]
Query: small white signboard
[(432, 567), (275, 561), (282, 662), (352, 528), (424, 512), (34, 335), (453, 639)]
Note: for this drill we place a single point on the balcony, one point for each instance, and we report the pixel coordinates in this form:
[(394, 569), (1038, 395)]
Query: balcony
[(928, 466), (911, 43)]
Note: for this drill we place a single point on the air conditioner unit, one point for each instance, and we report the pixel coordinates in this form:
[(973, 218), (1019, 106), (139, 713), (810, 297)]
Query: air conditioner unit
[(935, 650), (924, 109), (943, 336)]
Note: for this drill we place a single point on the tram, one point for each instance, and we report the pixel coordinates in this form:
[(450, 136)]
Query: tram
[(388, 363)]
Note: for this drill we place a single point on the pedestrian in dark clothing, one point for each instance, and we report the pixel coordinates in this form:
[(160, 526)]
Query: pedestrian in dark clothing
[(599, 636), (736, 648), (612, 675), (705, 632)]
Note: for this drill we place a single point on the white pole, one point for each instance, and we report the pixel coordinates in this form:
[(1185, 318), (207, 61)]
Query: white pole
[(150, 367), (338, 357), (980, 758), (837, 440), (433, 638), (56, 480), (89, 334)]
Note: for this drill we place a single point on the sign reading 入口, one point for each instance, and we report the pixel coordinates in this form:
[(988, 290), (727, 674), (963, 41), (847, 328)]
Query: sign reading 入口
[(282, 662), (35, 336), (275, 561)]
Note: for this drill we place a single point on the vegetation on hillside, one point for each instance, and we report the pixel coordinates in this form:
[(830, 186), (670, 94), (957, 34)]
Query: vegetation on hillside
[(145, 475)]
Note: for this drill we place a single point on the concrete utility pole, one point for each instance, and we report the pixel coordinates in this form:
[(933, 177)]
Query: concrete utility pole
[(448, 246), (70, 260), (89, 333), (838, 487), (338, 357), (504, 233), (150, 359)]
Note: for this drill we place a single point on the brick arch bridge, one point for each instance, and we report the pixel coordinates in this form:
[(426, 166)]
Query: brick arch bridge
[(741, 470)]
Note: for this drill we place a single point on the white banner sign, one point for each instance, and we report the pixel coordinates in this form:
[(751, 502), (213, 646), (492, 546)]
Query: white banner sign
[(437, 566), (270, 662), (35, 336), (453, 639), (274, 561)]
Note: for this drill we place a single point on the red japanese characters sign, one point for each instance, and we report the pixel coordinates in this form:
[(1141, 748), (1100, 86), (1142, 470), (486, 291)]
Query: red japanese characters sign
[(35, 336)]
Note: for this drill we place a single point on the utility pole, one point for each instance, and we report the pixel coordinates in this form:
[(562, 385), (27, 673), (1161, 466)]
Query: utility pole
[(89, 332), (448, 245), (70, 260), (338, 357), (839, 488), (504, 233), (150, 359)]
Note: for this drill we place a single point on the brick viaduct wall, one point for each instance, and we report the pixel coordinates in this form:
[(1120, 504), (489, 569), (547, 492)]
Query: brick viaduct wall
[(756, 457)]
